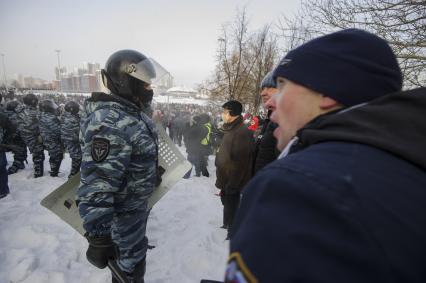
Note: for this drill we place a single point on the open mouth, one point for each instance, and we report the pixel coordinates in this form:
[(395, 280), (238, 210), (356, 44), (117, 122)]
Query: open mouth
[(277, 132)]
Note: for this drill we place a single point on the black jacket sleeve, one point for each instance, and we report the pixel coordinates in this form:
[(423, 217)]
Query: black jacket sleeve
[(7, 125)]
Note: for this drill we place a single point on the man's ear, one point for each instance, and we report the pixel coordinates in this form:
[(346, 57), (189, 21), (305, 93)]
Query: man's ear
[(327, 103)]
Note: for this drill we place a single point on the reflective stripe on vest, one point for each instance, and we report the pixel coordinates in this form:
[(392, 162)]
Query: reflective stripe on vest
[(206, 140)]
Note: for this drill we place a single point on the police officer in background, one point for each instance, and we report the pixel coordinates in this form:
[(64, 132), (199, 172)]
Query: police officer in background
[(50, 131), (119, 166), (20, 151), (70, 129), (28, 126)]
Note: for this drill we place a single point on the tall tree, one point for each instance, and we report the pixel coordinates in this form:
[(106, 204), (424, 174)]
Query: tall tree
[(401, 22), (243, 59)]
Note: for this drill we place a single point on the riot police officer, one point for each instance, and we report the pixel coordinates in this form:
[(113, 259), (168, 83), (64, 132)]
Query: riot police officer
[(119, 165), (28, 126), (70, 129), (50, 131), (20, 149)]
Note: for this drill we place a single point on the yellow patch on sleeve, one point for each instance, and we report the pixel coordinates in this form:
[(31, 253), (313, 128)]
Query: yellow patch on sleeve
[(237, 271)]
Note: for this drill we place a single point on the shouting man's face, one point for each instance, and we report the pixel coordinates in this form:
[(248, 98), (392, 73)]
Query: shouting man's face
[(296, 105)]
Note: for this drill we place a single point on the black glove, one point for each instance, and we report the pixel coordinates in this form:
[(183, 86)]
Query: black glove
[(160, 172), (101, 249)]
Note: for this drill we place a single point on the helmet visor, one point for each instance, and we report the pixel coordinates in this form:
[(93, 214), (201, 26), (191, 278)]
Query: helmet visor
[(144, 71), (147, 70)]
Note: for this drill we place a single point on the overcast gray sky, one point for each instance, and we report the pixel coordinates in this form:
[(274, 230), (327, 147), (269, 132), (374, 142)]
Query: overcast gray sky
[(181, 35)]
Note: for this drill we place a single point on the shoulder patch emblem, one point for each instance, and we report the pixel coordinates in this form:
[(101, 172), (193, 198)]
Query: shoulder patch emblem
[(100, 149), (237, 271)]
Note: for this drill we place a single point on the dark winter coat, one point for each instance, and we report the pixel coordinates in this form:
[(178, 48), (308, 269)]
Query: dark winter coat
[(192, 139), (347, 206), (234, 158), (265, 147), (7, 129)]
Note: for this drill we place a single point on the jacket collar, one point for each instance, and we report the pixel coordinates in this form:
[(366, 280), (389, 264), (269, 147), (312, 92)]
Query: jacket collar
[(233, 124), (393, 123)]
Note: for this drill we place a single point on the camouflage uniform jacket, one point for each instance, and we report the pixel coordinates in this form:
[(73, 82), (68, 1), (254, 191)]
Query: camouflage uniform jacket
[(13, 117), (50, 127), (118, 172), (28, 123), (70, 126)]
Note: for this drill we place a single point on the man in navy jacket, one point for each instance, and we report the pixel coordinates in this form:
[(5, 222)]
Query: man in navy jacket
[(345, 201)]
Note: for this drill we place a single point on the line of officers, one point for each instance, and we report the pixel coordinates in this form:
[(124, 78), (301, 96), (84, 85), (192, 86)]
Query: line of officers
[(41, 125)]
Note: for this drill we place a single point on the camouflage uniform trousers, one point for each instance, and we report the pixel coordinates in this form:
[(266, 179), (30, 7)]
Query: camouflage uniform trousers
[(19, 156), (128, 232), (74, 150), (54, 147), (35, 146)]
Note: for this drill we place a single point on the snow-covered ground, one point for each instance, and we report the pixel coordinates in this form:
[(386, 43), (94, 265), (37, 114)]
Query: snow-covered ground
[(37, 247)]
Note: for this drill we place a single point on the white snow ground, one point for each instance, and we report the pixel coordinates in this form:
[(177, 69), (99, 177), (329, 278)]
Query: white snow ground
[(37, 247)]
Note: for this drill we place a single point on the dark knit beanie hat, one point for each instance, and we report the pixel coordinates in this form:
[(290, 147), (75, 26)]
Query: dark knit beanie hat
[(351, 66), (235, 108), (268, 81)]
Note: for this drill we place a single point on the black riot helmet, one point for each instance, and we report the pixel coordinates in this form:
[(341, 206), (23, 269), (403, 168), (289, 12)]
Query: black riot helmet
[(30, 99), (129, 74), (72, 107), (48, 106), (11, 105), (268, 81)]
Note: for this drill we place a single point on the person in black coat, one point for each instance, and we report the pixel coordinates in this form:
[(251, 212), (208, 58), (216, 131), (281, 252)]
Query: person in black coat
[(265, 150), (233, 161), (345, 201), (7, 132), (192, 138), (206, 143)]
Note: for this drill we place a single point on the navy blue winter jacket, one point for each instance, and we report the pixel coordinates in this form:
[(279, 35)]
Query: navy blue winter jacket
[(348, 204)]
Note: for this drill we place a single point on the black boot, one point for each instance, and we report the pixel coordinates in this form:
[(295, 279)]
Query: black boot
[(138, 274), (205, 172), (12, 169), (20, 164), (38, 169), (75, 167), (54, 167), (15, 167)]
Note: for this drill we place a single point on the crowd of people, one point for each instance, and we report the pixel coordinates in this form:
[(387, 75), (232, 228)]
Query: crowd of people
[(39, 124), (327, 187)]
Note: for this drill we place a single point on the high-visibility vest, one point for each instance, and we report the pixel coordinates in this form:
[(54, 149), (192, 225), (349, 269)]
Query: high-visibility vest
[(206, 140)]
